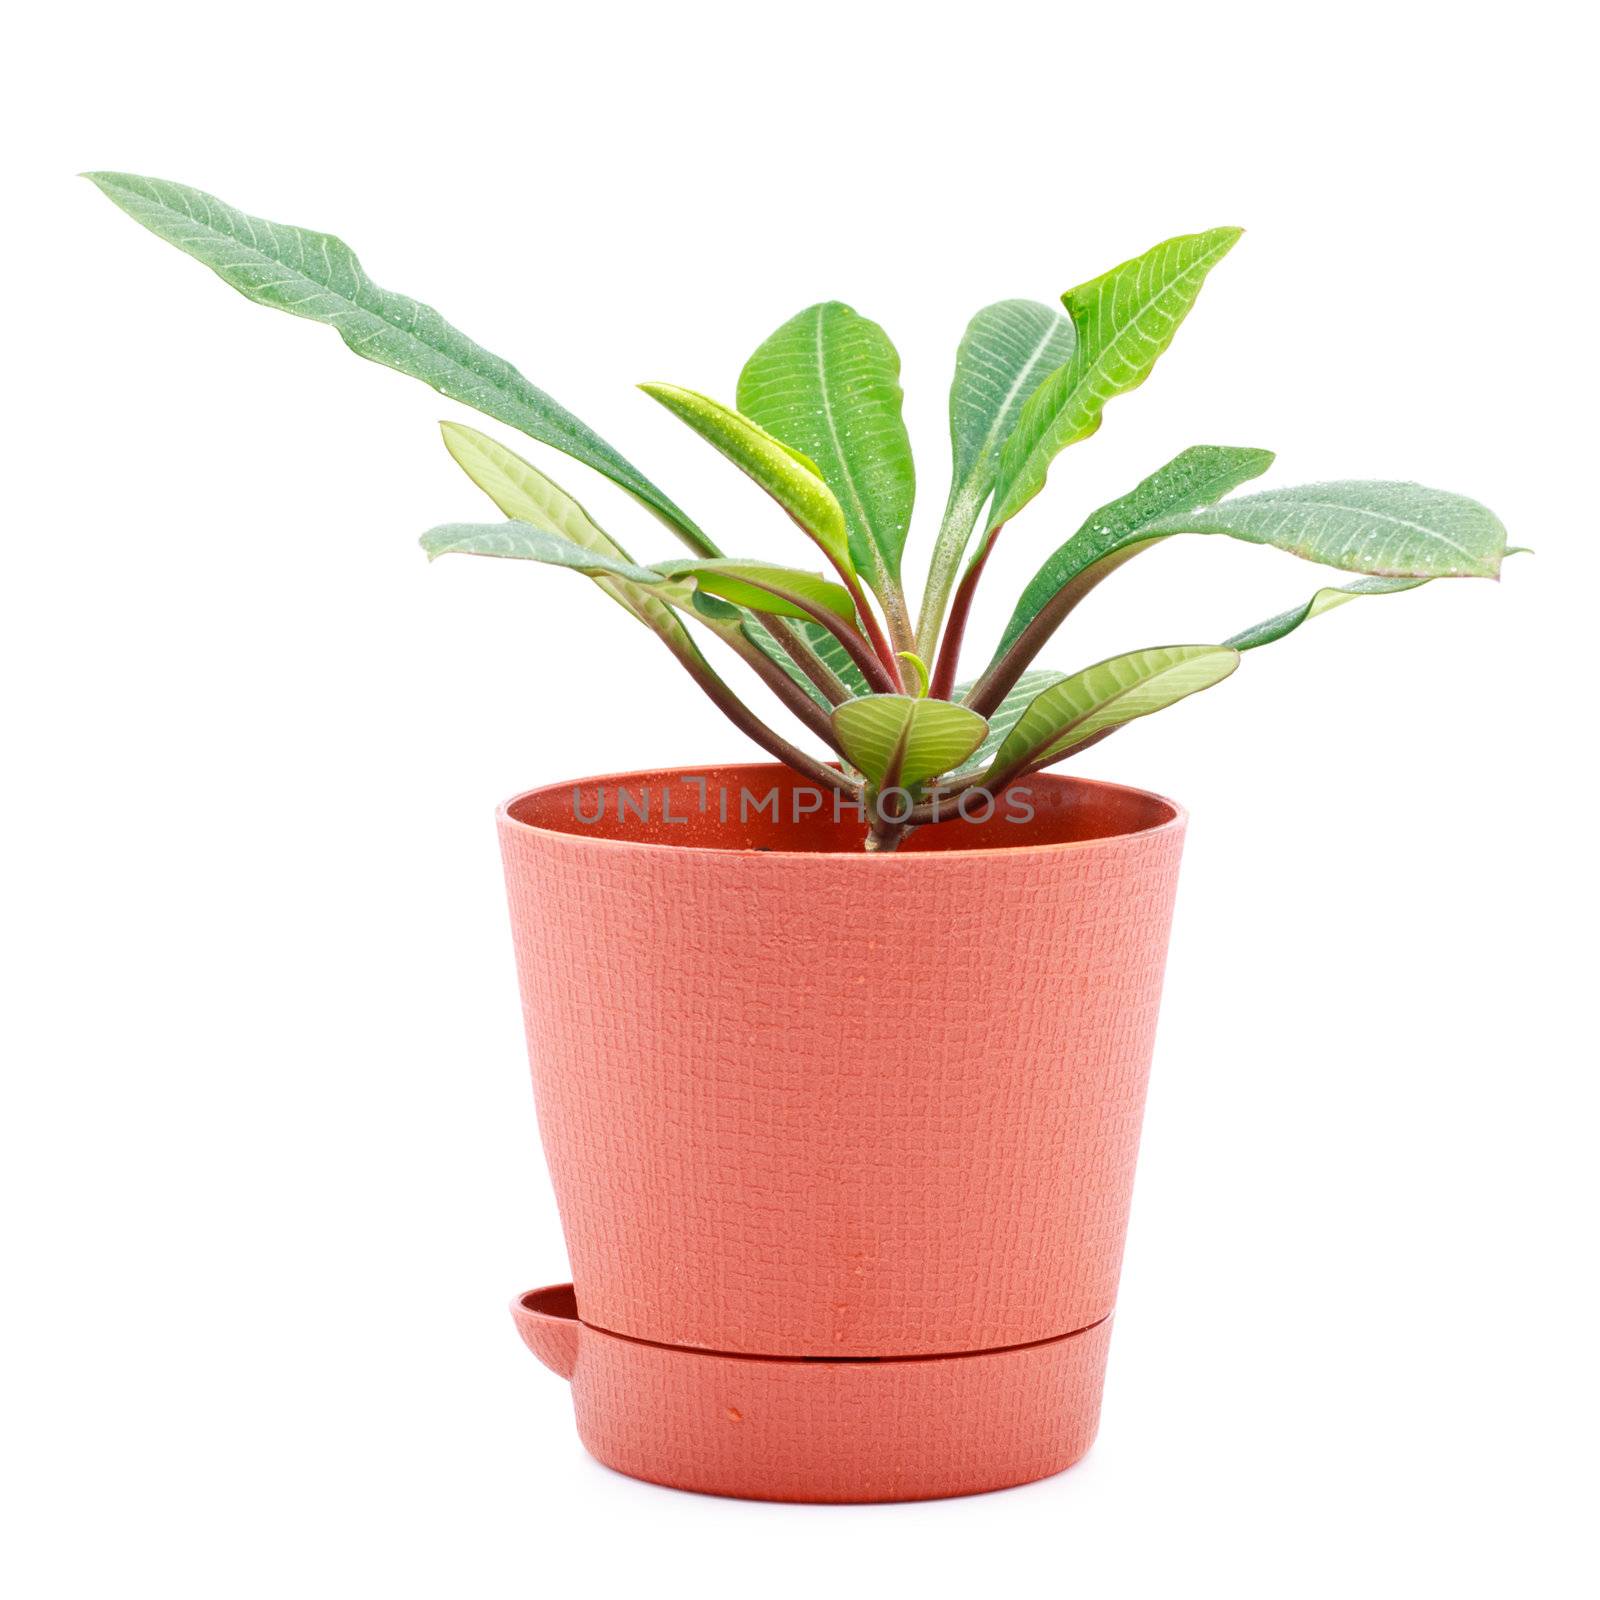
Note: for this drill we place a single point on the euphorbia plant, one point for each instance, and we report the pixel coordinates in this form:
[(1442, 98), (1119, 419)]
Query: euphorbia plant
[(817, 423)]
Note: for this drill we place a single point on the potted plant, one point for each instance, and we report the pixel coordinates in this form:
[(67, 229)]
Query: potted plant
[(840, 1061)]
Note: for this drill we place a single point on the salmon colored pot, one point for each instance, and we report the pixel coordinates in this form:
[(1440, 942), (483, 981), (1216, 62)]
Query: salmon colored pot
[(843, 1144)]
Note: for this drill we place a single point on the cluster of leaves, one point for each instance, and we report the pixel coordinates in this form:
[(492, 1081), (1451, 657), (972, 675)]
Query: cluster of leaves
[(818, 425)]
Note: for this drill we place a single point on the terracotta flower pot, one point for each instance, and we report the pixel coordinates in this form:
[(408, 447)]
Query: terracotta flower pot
[(843, 1144)]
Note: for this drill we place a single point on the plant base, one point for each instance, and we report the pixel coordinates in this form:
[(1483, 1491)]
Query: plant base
[(769, 1428)]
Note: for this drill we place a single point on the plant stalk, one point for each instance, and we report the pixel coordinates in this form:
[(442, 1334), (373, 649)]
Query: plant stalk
[(793, 697), (998, 679), (955, 532), (884, 680), (897, 614), (880, 645), (944, 674), (884, 837), (869, 621), (748, 723), (799, 650)]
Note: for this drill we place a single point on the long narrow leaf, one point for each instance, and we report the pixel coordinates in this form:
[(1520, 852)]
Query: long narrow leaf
[(1105, 696), (1274, 628), (788, 476), (1198, 477), (1124, 320), (1005, 716), (1324, 600), (524, 494), (317, 276), (1390, 530), (778, 591), (523, 541)]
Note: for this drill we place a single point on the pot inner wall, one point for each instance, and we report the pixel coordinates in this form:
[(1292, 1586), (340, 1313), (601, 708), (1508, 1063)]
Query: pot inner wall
[(770, 808)]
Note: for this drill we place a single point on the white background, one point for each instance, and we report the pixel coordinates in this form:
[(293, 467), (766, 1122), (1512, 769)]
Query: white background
[(270, 1163)]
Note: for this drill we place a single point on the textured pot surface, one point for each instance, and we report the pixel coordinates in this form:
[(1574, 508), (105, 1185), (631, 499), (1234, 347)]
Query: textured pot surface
[(822, 1430), (799, 1101)]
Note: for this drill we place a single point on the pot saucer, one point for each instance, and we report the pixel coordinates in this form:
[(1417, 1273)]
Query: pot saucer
[(772, 1428)]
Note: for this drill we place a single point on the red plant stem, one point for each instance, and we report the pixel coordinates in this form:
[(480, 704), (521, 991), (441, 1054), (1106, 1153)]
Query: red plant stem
[(799, 651), (869, 622), (1000, 676), (881, 646), (798, 702), (944, 673), (882, 679)]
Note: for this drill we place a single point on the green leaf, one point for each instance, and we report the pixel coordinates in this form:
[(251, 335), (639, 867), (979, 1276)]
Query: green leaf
[(1196, 478), (898, 742), (1004, 717), (827, 384), (919, 671), (1275, 628), (789, 477), (522, 491), (759, 587), (1104, 696), (1392, 530), (523, 541), (524, 494), (1124, 320), (1008, 350), (317, 276)]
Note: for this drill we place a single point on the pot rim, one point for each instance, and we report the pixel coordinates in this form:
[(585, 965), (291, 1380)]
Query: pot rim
[(1176, 820)]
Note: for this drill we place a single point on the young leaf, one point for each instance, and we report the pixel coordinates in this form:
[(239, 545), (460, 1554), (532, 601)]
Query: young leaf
[(827, 384), (522, 541), (919, 671), (789, 477), (1124, 320), (317, 276), (1198, 477), (1391, 530), (1275, 628), (899, 742), (1105, 696), (778, 591)]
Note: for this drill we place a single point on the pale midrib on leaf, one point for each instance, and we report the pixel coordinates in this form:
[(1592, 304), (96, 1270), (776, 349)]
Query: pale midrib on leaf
[(362, 283), (1095, 368), (1005, 405), (229, 242), (839, 453), (1375, 516)]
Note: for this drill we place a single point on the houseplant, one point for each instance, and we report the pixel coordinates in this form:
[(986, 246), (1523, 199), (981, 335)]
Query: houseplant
[(840, 1063)]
